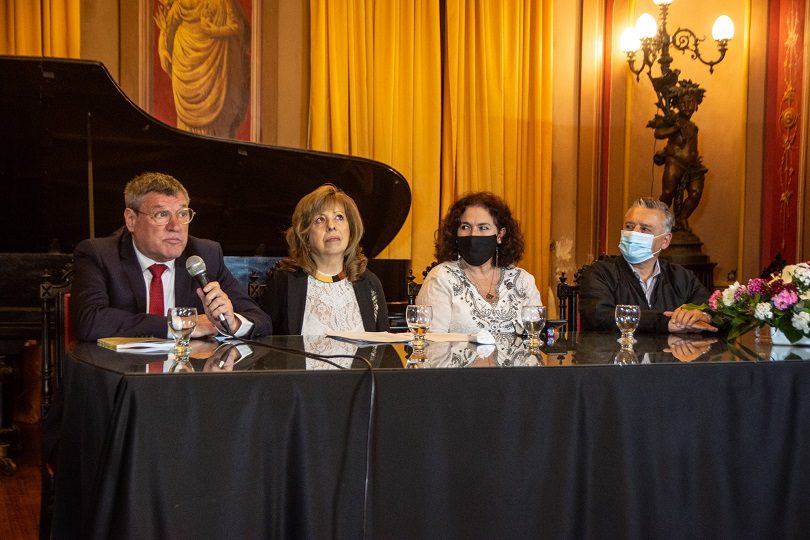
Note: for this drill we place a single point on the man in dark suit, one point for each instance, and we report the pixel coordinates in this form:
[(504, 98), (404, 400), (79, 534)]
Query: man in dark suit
[(124, 283), (639, 277)]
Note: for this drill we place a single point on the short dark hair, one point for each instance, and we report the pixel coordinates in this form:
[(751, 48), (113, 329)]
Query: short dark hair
[(510, 249), (310, 205), (152, 182)]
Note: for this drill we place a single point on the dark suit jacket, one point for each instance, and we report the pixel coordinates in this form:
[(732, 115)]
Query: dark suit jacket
[(610, 282), (285, 298), (108, 296)]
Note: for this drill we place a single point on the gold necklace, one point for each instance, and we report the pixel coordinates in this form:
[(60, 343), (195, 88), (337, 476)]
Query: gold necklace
[(489, 295), (327, 278)]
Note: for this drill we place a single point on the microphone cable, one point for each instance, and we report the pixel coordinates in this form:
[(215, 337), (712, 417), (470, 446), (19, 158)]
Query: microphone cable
[(371, 407)]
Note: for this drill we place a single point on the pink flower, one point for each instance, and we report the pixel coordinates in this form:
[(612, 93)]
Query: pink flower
[(740, 293), (785, 299), (757, 286), (714, 299)]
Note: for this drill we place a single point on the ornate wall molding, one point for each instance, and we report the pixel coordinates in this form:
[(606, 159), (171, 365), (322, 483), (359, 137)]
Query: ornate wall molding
[(784, 120)]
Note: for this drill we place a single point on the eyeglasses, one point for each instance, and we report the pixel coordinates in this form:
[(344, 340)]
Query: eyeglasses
[(162, 217)]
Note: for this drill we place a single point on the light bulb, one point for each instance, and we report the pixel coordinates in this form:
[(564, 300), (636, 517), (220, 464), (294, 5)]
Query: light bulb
[(646, 26), (723, 28), (629, 41)]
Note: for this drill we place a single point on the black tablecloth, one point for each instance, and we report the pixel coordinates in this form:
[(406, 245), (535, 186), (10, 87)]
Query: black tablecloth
[(715, 449)]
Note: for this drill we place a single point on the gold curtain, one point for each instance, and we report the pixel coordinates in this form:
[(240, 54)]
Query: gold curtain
[(497, 113), (376, 91), (40, 28)]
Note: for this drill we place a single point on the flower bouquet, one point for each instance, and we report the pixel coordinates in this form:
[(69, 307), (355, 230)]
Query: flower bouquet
[(781, 301)]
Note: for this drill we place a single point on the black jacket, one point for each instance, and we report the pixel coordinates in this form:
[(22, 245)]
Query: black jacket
[(609, 282), (286, 296)]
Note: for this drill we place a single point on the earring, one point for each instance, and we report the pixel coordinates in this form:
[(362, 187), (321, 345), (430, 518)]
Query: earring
[(496, 255)]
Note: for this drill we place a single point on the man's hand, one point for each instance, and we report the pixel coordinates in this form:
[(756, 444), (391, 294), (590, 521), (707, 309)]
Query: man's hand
[(689, 320), (217, 303), (204, 328), (686, 349), (223, 361)]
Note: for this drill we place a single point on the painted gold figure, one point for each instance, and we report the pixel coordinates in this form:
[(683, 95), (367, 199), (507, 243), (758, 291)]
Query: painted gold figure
[(203, 47)]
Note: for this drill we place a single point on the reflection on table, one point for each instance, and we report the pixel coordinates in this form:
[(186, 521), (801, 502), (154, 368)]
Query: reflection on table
[(701, 437), (302, 352)]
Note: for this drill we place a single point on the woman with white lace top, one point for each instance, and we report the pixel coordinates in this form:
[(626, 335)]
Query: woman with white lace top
[(323, 284), (477, 286)]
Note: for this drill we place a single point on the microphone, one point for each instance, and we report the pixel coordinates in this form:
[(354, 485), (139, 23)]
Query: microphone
[(196, 268)]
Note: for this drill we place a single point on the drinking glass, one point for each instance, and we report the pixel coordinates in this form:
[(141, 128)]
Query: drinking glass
[(182, 321), (418, 319), (417, 359), (625, 356), (533, 319), (627, 317)]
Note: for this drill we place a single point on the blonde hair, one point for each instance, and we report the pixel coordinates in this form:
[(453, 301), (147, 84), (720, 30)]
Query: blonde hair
[(312, 204)]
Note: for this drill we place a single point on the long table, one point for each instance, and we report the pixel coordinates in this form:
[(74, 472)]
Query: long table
[(711, 442)]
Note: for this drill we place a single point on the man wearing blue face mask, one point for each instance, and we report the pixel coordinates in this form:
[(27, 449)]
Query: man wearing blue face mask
[(639, 277)]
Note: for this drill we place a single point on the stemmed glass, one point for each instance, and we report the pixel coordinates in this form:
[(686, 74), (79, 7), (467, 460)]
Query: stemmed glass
[(182, 321), (417, 359), (627, 318), (533, 319), (418, 319), (625, 355)]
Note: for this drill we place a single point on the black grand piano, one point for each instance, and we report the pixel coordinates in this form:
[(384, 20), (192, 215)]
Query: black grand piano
[(70, 139)]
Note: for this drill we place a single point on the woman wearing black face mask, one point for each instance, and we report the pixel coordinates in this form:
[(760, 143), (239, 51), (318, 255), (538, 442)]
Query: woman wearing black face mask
[(476, 286)]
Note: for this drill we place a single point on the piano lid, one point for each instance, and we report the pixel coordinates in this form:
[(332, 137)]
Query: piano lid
[(70, 139)]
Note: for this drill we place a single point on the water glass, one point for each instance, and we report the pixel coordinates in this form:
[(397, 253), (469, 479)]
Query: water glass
[(418, 319), (627, 319), (182, 321), (625, 356), (417, 359), (533, 319)]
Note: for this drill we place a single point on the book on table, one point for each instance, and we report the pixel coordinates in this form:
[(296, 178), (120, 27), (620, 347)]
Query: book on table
[(136, 344)]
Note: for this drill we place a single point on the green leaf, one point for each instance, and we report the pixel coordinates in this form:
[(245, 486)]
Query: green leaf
[(791, 333)]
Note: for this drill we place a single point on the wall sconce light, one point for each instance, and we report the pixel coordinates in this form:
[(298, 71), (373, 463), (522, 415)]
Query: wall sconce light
[(651, 39), (650, 42)]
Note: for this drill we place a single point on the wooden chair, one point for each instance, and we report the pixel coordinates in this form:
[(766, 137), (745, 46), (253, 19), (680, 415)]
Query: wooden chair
[(54, 295), (255, 286), (568, 299), (396, 318), (413, 286)]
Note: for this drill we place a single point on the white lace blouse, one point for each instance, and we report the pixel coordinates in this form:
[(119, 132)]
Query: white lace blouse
[(330, 307), (459, 307)]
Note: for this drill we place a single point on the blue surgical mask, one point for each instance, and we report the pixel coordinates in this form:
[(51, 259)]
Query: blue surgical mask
[(636, 247)]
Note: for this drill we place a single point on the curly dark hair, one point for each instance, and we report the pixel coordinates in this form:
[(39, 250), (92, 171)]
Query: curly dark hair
[(510, 250)]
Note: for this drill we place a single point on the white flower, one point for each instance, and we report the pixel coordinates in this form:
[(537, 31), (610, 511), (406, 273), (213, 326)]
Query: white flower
[(805, 295), (787, 273), (801, 275), (801, 322), (728, 294), (763, 311)]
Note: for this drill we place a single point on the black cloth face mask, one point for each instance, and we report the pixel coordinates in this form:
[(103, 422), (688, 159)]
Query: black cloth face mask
[(476, 250)]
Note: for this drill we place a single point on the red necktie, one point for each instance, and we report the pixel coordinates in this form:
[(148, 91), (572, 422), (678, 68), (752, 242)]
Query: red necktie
[(156, 290)]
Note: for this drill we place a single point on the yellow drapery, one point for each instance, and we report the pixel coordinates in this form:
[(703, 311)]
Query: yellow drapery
[(376, 91), (34, 28)]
